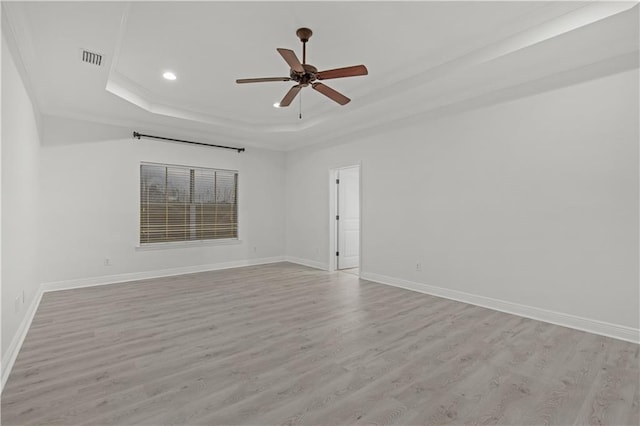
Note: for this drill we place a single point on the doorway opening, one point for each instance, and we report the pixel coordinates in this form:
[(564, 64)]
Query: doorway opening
[(345, 219)]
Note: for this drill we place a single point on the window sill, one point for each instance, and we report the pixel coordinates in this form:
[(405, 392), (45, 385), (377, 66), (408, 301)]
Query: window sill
[(187, 244)]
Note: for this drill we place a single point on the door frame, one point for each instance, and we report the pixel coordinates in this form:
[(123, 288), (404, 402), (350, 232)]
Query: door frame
[(333, 207)]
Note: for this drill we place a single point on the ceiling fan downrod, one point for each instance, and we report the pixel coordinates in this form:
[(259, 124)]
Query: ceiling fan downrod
[(304, 34)]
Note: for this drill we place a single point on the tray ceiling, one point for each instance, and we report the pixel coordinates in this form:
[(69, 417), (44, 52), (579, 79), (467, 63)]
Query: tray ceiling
[(423, 57)]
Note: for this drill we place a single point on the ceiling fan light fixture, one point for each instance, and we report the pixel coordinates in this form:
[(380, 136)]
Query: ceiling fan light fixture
[(168, 75)]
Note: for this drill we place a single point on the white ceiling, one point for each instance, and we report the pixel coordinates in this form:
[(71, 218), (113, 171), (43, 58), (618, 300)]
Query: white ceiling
[(424, 59)]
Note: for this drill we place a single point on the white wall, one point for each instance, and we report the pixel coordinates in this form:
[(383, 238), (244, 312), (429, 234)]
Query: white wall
[(20, 150), (90, 193), (533, 201)]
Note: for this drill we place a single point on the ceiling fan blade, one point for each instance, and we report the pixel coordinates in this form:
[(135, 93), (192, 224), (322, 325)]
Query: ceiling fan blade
[(260, 80), (291, 59), (343, 72), (291, 94), (331, 94)]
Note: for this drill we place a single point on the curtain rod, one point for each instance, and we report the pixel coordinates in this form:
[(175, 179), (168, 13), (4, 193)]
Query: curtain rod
[(140, 135)]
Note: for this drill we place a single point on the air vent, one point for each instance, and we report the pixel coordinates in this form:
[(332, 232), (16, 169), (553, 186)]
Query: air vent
[(91, 57)]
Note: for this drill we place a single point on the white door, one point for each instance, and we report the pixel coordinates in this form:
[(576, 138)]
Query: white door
[(348, 218)]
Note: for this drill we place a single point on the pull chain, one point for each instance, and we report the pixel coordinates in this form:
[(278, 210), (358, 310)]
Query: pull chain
[(300, 116)]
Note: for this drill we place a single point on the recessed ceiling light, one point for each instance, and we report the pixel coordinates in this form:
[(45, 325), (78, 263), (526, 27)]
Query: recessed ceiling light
[(276, 105), (169, 75)]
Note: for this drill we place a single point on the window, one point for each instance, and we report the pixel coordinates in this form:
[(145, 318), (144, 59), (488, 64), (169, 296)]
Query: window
[(179, 203)]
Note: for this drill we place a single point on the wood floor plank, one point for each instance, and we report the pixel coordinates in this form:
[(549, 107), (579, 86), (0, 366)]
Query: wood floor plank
[(613, 391), (286, 344)]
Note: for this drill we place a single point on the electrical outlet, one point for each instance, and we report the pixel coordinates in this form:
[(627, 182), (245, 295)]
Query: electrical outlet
[(17, 304), (107, 261), (23, 297), (418, 266)]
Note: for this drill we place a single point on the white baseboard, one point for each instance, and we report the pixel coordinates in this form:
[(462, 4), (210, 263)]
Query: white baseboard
[(615, 331), (134, 276), (16, 343), (307, 262)]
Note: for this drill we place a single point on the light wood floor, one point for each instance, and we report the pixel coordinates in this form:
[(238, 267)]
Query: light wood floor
[(285, 344), (352, 271)]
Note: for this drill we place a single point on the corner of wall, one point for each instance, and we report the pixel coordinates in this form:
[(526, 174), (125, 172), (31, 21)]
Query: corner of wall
[(307, 262), (20, 164)]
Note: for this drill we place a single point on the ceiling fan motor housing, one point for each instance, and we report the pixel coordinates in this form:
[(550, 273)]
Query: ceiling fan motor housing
[(309, 75)]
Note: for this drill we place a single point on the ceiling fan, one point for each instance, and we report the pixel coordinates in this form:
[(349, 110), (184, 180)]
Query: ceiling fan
[(305, 74)]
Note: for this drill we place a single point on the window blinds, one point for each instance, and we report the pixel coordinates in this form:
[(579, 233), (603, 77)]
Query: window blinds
[(179, 203)]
